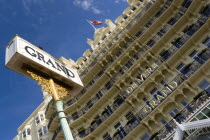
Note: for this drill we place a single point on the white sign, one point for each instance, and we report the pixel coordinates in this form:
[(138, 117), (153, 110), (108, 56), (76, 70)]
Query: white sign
[(21, 55)]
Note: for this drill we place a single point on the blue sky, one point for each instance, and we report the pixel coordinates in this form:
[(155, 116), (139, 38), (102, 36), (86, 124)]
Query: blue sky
[(60, 28)]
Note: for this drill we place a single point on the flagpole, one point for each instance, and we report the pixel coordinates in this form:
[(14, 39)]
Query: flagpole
[(91, 24)]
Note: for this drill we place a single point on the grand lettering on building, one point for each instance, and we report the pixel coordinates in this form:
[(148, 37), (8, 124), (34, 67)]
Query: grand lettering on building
[(141, 78), (159, 97)]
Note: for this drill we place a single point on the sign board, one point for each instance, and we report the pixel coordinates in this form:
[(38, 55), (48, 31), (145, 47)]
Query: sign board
[(22, 55)]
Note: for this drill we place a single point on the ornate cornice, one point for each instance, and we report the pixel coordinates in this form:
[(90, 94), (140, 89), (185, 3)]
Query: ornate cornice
[(45, 84)]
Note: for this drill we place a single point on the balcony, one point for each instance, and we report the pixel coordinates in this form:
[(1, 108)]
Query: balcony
[(57, 131), (173, 20), (196, 64), (205, 11), (49, 110), (105, 114), (51, 121)]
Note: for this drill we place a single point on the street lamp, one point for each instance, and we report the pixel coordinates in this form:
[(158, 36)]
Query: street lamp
[(53, 76)]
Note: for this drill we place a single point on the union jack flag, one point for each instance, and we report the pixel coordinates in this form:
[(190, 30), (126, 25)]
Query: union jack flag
[(95, 22)]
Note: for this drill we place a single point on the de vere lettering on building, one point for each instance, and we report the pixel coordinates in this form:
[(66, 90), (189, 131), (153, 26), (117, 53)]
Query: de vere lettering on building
[(160, 97)]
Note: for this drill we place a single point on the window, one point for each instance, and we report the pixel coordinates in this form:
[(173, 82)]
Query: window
[(118, 100), (107, 136), (201, 116), (152, 92), (120, 130), (204, 85), (108, 85), (42, 117), (138, 34), (24, 134), (180, 66), (193, 54), (146, 101), (163, 83), (161, 32), (168, 127), (163, 122), (151, 43), (89, 104), (207, 41), (145, 137), (99, 94), (178, 42), (129, 115), (149, 23), (205, 11), (117, 126), (28, 131), (81, 132), (45, 131), (37, 120), (75, 115), (186, 3), (206, 111), (129, 64), (184, 103), (165, 54), (42, 131), (173, 112)]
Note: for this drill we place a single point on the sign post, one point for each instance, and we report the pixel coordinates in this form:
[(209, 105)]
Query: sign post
[(53, 76)]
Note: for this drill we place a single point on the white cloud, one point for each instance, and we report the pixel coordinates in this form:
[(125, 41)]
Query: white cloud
[(118, 1), (96, 11), (87, 5)]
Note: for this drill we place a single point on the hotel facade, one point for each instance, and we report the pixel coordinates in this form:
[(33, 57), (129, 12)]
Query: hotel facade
[(146, 77)]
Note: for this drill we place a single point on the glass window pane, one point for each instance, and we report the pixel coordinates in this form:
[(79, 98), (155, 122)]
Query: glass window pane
[(184, 103), (206, 41), (153, 91), (40, 132), (41, 117), (145, 137), (171, 138), (28, 131), (206, 111), (208, 90), (203, 84), (193, 54), (200, 116), (44, 130), (24, 133), (163, 122), (37, 120), (180, 66)]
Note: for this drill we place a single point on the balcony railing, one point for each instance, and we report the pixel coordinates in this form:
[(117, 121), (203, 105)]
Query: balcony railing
[(51, 119), (48, 106), (196, 64), (182, 116), (57, 131)]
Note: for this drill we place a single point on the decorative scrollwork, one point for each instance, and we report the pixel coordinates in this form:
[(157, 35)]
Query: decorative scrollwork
[(45, 84)]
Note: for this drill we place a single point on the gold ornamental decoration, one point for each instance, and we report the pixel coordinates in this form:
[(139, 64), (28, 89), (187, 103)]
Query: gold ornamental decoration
[(47, 87)]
